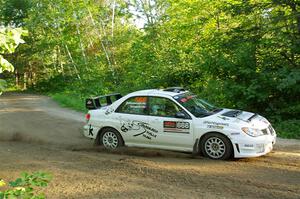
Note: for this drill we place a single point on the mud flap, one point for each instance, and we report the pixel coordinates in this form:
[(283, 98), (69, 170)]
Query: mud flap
[(196, 148)]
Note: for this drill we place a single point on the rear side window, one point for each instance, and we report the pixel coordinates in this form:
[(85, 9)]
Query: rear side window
[(134, 105)]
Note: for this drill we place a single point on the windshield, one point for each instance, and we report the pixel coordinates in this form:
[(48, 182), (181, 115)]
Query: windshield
[(198, 107)]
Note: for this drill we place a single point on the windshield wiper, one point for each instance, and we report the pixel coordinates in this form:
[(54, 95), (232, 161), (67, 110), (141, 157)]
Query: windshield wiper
[(217, 110), (202, 114)]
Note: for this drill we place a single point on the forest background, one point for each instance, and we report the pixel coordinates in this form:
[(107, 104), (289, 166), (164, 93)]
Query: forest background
[(242, 54)]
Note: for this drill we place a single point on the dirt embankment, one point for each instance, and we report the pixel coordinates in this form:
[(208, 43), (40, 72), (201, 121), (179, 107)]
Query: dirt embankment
[(37, 135)]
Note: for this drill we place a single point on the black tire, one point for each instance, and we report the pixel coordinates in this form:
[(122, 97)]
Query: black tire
[(111, 139), (216, 146)]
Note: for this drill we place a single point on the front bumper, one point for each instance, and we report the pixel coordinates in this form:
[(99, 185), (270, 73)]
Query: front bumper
[(253, 146)]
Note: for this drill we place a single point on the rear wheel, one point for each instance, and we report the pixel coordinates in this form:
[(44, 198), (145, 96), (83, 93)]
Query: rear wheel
[(216, 146), (111, 139)]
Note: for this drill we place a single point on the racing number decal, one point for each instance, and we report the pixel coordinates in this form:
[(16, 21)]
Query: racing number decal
[(176, 127), (183, 125)]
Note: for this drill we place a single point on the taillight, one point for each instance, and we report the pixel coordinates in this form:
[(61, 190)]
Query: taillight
[(88, 117)]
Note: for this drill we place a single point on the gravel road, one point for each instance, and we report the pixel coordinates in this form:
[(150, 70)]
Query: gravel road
[(38, 135)]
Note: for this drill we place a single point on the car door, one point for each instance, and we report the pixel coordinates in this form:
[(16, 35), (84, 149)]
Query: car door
[(132, 116), (173, 132)]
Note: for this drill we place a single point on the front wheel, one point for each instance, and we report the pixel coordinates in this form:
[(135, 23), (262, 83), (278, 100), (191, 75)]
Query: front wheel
[(111, 139), (216, 146)]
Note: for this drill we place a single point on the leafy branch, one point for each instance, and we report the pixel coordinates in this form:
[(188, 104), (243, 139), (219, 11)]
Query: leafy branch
[(9, 41), (24, 187)]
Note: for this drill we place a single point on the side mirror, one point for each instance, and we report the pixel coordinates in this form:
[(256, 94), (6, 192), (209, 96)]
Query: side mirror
[(180, 115)]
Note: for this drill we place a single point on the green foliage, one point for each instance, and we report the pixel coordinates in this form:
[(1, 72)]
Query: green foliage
[(25, 187), (9, 41), (237, 54), (70, 100), (2, 85), (288, 128)]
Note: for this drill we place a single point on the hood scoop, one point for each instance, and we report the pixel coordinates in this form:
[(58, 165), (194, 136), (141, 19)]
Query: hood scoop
[(233, 113), (242, 115)]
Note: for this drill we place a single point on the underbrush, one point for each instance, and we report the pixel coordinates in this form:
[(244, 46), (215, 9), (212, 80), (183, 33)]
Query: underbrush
[(70, 100), (288, 128), (28, 186)]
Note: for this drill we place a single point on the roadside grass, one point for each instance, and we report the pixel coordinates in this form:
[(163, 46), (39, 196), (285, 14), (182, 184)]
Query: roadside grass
[(13, 89), (70, 100), (284, 129)]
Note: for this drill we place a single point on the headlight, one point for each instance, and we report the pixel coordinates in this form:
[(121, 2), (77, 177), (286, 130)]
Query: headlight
[(252, 132)]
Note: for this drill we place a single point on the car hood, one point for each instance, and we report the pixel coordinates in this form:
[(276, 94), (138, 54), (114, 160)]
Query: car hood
[(244, 118)]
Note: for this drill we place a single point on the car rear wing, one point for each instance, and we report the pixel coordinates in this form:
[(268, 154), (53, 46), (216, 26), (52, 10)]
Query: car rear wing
[(100, 101)]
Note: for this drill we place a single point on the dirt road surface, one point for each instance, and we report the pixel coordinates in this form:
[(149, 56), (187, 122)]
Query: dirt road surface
[(37, 135)]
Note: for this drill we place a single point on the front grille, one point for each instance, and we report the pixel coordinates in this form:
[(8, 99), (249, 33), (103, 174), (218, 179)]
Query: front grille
[(265, 131), (271, 130), (268, 131)]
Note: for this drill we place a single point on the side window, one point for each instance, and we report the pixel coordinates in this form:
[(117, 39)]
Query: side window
[(134, 105), (162, 107)]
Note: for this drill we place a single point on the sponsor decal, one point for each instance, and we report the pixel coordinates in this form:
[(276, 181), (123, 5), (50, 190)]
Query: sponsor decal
[(223, 117), (140, 99), (216, 123), (91, 130), (215, 127), (183, 100), (234, 133), (109, 111), (176, 127), (137, 105), (141, 129)]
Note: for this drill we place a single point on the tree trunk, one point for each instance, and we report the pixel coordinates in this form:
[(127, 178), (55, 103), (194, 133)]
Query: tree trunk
[(17, 78), (25, 81)]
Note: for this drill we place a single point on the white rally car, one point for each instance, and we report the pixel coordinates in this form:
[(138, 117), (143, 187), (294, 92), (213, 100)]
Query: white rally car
[(176, 119)]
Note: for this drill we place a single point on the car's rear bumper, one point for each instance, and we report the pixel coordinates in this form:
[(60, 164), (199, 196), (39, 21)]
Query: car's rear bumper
[(90, 131), (85, 131)]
